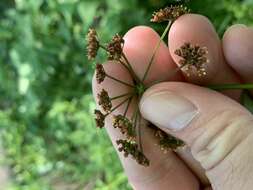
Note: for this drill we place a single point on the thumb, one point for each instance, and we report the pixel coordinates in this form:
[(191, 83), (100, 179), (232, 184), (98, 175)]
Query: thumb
[(217, 129)]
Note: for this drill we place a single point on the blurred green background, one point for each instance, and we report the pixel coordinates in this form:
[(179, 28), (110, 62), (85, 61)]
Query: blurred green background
[(47, 132)]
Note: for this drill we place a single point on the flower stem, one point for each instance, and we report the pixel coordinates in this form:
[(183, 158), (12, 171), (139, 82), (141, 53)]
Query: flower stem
[(231, 86), (120, 104), (127, 65), (130, 68), (170, 74), (117, 80), (103, 47), (155, 51), (128, 104), (135, 118), (120, 96), (139, 132)]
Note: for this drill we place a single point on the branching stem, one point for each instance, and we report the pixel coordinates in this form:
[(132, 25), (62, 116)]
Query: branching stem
[(127, 107), (120, 96), (120, 81), (120, 104), (155, 51)]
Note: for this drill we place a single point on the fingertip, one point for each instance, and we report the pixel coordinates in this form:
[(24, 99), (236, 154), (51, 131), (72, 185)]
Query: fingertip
[(197, 30), (140, 43), (143, 32), (237, 47)]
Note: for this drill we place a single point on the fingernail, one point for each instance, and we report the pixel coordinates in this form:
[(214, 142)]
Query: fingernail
[(168, 110)]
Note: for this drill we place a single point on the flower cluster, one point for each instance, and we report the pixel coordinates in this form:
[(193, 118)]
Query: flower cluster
[(168, 142), (192, 57), (93, 44), (125, 126), (104, 101), (115, 47), (169, 13), (131, 148), (100, 119), (100, 73)]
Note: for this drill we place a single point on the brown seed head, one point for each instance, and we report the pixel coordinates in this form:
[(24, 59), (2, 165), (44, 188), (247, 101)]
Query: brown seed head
[(194, 58), (167, 142), (99, 118), (100, 73), (125, 126), (169, 13), (131, 148), (115, 47), (104, 101), (92, 44)]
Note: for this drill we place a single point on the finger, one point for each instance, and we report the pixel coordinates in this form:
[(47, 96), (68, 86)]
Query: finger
[(166, 171), (197, 29), (140, 43), (218, 131), (186, 155), (237, 47)]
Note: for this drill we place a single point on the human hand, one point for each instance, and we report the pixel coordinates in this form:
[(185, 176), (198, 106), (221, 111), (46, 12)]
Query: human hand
[(215, 127)]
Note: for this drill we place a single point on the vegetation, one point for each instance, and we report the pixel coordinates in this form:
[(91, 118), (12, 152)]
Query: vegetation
[(47, 131)]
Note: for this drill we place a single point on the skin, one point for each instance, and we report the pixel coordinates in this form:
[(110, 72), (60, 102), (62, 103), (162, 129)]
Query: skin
[(230, 62)]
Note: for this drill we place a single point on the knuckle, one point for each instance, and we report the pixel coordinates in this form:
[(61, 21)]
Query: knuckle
[(224, 132)]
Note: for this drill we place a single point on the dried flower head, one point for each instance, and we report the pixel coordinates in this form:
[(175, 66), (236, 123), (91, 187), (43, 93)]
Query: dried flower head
[(100, 73), (194, 57), (168, 142), (131, 148), (115, 47), (99, 118), (104, 101), (93, 44), (125, 126), (169, 13)]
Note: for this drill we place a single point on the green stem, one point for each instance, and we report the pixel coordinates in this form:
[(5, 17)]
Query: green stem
[(135, 118), (127, 65), (128, 104), (120, 96), (103, 47), (120, 104), (171, 74), (156, 49), (139, 132), (130, 68), (122, 63), (122, 82), (134, 114), (230, 86)]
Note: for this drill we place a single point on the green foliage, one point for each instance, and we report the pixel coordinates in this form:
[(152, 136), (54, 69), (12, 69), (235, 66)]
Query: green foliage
[(45, 95)]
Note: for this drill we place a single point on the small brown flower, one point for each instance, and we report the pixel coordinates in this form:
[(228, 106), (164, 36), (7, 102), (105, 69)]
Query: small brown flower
[(104, 101), (169, 13), (168, 142), (115, 47), (100, 119), (93, 44), (125, 126), (100, 73), (194, 57), (131, 148)]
